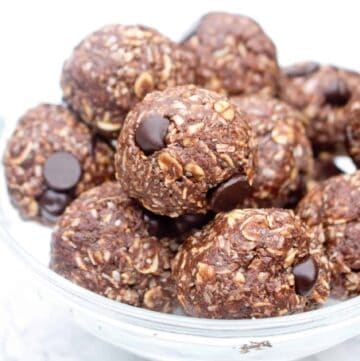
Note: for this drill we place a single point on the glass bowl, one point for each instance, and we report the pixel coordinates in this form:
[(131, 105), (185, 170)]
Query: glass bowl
[(173, 337)]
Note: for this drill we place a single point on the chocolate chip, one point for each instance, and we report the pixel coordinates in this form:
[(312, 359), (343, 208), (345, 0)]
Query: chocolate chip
[(337, 92), (52, 204), (150, 134), (298, 70), (229, 194), (62, 171), (306, 273)]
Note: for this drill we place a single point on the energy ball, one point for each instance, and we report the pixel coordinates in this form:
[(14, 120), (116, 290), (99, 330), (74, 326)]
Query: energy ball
[(250, 263), (334, 206), (102, 243), (284, 155), (50, 159), (322, 92), (353, 132), (177, 147), (234, 55), (114, 67)]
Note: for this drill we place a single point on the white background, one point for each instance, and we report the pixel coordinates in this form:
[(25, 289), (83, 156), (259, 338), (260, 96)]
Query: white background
[(35, 39)]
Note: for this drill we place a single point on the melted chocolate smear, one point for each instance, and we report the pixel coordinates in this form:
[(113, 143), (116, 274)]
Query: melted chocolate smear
[(229, 194)]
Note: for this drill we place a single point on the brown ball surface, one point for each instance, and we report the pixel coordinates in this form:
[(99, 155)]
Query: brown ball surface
[(179, 146), (50, 159), (102, 243), (234, 55), (353, 131), (322, 92), (334, 207), (284, 155), (115, 67), (251, 263)]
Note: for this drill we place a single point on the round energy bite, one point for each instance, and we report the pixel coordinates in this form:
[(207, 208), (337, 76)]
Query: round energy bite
[(177, 147), (322, 93), (114, 67), (102, 243), (353, 132), (234, 55), (250, 263), (334, 207), (284, 155), (50, 159)]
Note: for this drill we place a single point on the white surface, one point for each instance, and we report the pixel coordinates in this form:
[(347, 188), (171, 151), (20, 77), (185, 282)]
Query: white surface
[(36, 37)]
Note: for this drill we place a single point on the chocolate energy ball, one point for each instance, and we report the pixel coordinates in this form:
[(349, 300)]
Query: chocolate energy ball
[(353, 132), (284, 155), (102, 243), (322, 93), (179, 146), (234, 55), (50, 159), (250, 263), (334, 206), (114, 67)]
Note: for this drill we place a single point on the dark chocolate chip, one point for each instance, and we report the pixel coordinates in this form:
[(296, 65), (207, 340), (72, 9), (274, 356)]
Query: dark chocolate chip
[(305, 273), (337, 92), (229, 194), (298, 70), (151, 132), (52, 204), (62, 171)]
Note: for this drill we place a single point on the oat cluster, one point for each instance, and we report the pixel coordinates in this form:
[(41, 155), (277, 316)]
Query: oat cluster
[(333, 208), (113, 68), (207, 141), (41, 132), (197, 176), (244, 266), (234, 55), (284, 155), (102, 243), (323, 93)]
